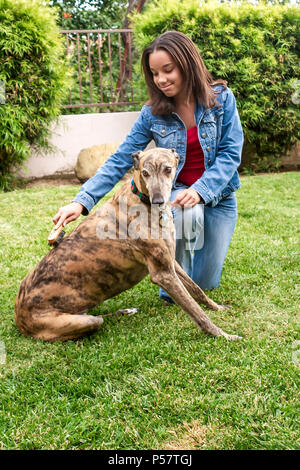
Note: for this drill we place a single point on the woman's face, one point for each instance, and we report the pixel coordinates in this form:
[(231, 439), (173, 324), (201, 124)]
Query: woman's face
[(166, 74)]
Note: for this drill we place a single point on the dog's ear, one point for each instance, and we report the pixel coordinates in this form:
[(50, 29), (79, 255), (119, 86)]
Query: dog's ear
[(176, 155), (136, 159)]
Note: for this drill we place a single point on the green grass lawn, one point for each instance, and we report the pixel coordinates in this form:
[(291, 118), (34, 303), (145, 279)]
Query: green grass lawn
[(153, 380)]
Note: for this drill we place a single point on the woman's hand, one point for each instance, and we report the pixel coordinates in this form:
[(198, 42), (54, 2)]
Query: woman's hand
[(67, 213), (186, 198)]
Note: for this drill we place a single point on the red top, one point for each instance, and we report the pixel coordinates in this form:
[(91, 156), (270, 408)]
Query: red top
[(194, 160)]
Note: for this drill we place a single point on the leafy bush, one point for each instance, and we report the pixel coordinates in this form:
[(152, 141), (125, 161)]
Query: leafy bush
[(33, 79), (90, 14), (256, 49)]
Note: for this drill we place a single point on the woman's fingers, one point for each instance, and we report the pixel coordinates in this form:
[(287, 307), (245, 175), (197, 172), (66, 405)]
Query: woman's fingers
[(58, 218), (186, 198), (61, 216), (60, 221), (178, 199), (69, 219), (67, 213)]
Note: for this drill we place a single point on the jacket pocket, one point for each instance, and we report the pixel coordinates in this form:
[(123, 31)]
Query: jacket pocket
[(210, 124), (164, 136)]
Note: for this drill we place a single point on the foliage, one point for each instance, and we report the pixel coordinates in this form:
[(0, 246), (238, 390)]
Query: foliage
[(153, 380), (90, 14), (256, 49), (34, 75)]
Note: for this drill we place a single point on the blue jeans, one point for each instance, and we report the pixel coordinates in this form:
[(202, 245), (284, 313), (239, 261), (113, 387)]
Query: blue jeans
[(201, 246)]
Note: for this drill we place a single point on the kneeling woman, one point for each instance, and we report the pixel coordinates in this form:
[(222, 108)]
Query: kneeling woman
[(189, 111)]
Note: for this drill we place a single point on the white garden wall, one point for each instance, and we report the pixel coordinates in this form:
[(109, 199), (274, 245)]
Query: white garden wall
[(78, 131), (73, 133)]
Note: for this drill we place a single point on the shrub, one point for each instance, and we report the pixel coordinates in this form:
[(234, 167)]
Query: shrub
[(34, 76), (256, 49)]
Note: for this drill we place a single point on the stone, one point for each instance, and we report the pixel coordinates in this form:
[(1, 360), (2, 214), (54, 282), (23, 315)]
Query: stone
[(90, 159)]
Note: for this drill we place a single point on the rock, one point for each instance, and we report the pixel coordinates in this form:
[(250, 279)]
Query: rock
[(90, 159)]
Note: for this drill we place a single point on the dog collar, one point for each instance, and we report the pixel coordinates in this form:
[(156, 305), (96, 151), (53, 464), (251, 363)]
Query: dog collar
[(143, 197)]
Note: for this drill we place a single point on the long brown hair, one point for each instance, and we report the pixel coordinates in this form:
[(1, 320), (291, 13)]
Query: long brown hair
[(198, 81)]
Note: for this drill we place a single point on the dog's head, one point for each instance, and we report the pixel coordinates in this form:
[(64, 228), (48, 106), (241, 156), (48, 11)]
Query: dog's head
[(154, 171)]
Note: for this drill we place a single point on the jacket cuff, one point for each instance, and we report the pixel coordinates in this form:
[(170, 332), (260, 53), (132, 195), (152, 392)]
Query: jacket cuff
[(86, 200), (203, 191)]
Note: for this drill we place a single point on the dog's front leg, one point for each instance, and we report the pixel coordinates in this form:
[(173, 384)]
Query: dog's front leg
[(170, 282), (195, 291)]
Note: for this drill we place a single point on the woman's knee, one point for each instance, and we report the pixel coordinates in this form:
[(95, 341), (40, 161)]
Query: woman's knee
[(208, 282)]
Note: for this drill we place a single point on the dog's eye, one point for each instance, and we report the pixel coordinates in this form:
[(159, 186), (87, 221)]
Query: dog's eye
[(168, 169), (145, 173)]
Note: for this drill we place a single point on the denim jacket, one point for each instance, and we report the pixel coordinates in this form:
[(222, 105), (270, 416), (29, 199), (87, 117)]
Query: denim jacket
[(221, 138)]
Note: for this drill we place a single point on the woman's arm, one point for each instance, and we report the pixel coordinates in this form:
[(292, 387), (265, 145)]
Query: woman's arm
[(116, 165), (228, 157), (108, 174)]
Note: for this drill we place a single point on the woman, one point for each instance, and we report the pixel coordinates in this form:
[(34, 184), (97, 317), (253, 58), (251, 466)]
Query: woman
[(198, 117)]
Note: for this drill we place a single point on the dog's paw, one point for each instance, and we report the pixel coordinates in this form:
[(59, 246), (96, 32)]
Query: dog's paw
[(224, 307), (127, 311), (232, 337)]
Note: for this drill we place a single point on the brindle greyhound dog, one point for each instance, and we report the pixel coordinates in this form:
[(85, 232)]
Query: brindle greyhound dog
[(104, 256)]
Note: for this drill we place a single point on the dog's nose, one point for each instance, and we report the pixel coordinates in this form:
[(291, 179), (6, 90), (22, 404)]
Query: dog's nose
[(157, 199)]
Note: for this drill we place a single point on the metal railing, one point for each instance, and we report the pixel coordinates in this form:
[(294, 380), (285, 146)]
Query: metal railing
[(101, 62)]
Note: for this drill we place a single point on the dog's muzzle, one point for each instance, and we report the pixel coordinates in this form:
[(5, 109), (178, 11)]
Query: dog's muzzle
[(157, 199)]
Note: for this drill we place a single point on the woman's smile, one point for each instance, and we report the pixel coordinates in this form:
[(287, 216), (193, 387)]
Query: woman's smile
[(165, 87)]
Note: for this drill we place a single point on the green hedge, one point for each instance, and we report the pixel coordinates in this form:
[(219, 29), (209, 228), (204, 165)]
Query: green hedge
[(254, 48), (33, 80)]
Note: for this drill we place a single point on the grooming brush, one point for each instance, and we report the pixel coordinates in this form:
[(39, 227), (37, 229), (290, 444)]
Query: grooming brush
[(56, 235)]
